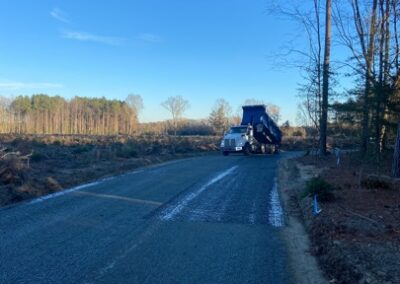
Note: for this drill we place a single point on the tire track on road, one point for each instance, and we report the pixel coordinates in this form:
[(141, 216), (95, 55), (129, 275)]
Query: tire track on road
[(171, 212)]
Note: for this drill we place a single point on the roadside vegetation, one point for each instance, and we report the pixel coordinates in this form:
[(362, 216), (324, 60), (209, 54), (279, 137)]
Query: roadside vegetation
[(356, 235), (318, 186), (350, 91)]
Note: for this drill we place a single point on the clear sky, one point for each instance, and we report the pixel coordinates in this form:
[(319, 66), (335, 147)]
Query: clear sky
[(200, 49)]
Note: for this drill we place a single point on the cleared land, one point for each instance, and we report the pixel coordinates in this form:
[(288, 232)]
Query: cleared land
[(56, 162)]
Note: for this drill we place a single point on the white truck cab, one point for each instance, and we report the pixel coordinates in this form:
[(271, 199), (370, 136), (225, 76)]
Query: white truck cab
[(237, 139)]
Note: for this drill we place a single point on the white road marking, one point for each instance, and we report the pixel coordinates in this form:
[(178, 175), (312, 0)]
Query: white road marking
[(60, 193), (64, 192), (275, 215), (170, 213)]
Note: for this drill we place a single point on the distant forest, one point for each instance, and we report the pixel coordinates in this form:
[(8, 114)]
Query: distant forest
[(43, 114)]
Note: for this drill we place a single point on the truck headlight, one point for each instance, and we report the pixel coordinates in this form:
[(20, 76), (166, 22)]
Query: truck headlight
[(222, 143)]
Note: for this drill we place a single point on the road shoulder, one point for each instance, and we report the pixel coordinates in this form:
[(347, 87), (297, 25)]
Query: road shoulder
[(303, 264)]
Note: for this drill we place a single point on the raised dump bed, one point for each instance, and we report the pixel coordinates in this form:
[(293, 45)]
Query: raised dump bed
[(265, 130)]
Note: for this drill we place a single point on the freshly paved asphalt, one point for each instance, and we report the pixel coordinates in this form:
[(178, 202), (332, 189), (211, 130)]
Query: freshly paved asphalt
[(210, 219)]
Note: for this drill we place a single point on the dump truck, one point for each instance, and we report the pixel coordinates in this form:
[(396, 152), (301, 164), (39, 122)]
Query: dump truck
[(257, 133)]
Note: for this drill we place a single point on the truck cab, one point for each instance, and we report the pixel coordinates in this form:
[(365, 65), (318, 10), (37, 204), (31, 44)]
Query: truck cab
[(237, 139)]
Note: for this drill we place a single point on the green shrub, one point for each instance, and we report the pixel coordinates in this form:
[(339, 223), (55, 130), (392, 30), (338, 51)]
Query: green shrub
[(320, 187)]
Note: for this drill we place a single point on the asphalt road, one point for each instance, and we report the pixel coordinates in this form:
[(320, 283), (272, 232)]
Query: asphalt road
[(209, 219)]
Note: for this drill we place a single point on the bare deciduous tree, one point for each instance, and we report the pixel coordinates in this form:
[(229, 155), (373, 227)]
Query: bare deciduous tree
[(362, 47), (135, 102), (176, 106), (309, 60)]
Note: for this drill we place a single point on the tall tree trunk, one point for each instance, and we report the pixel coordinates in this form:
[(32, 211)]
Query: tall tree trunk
[(381, 93), (380, 87), (369, 62), (325, 78), (396, 155)]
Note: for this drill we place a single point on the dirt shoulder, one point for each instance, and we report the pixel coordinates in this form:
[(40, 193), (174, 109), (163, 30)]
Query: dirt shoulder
[(50, 163), (356, 237), (303, 264)]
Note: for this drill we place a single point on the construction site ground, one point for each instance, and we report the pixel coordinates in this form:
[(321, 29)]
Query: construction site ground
[(356, 237)]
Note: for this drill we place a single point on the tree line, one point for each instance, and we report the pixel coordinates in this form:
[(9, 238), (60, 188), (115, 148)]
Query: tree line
[(43, 114)]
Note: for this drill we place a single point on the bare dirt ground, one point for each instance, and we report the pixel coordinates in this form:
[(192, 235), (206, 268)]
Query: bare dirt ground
[(356, 237), (56, 162)]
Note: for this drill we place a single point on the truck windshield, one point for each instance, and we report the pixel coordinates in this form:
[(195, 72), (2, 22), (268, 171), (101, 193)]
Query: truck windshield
[(238, 130)]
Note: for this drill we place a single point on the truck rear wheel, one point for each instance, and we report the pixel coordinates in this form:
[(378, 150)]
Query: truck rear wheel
[(247, 150)]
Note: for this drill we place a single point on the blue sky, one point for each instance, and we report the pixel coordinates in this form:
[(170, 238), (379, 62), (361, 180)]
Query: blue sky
[(200, 49)]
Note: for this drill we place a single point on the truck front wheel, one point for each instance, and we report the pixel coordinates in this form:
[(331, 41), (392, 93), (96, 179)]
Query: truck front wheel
[(225, 153)]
